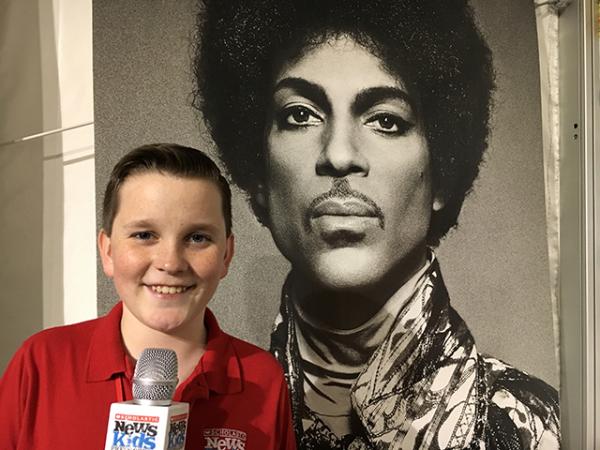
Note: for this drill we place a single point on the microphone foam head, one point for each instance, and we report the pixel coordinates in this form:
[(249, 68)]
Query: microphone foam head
[(155, 377)]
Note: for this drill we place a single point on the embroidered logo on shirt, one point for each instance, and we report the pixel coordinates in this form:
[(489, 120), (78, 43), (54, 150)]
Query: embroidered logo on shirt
[(224, 439)]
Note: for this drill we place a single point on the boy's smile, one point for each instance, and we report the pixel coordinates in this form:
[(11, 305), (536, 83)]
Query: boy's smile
[(167, 251)]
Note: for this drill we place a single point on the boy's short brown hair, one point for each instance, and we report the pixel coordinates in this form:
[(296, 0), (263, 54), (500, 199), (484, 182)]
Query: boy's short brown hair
[(169, 159)]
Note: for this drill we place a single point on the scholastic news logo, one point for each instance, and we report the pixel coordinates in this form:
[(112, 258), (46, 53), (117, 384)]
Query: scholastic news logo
[(224, 439), (177, 430), (134, 432)]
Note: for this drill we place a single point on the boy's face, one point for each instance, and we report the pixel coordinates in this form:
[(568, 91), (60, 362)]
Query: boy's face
[(168, 249)]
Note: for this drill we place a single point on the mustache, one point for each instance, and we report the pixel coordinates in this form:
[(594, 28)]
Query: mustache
[(341, 190)]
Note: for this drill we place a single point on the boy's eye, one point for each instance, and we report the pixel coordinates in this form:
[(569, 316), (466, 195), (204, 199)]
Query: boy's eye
[(388, 124), (298, 116), (197, 238), (143, 235)]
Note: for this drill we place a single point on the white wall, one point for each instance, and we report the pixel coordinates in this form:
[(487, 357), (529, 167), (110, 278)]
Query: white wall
[(47, 193), (69, 164)]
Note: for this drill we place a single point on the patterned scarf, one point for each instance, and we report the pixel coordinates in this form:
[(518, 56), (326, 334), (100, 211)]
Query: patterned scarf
[(425, 387)]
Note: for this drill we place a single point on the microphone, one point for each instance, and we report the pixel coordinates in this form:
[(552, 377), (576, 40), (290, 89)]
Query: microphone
[(155, 377), (151, 421)]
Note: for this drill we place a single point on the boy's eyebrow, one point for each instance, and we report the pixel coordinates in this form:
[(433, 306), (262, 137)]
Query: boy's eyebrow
[(142, 223), (145, 223)]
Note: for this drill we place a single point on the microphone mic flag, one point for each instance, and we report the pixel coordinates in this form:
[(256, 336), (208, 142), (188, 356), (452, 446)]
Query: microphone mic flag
[(151, 421)]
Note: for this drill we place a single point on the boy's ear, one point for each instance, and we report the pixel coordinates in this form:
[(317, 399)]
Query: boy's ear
[(229, 251), (105, 250)]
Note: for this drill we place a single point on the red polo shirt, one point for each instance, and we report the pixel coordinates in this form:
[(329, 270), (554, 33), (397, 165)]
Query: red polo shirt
[(57, 390)]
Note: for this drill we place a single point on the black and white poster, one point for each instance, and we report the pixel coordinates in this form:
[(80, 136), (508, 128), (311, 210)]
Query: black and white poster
[(386, 158)]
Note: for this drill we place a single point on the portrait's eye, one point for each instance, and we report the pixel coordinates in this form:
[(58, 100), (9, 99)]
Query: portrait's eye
[(297, 116), (388, 124)]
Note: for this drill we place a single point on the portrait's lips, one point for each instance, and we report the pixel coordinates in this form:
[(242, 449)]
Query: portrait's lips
[(342, 214), (343, 207), (343, 221)]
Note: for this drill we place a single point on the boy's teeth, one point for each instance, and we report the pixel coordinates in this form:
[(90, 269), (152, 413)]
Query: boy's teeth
[(168, 289)]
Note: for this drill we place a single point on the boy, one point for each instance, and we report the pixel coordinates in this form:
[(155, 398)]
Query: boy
[(166, 242)]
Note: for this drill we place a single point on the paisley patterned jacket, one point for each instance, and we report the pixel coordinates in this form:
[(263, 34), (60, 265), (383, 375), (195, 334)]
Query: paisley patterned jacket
[(427, 387)]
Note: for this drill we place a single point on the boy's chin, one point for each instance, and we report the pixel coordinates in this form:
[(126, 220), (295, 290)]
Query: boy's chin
[(172, 323), (168, 321)]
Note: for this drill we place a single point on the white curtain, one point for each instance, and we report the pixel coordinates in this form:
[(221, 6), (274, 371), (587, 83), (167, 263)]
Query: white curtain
[(547, 31)]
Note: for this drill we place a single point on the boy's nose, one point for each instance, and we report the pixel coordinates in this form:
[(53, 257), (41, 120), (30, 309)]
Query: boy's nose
[(170, 258)]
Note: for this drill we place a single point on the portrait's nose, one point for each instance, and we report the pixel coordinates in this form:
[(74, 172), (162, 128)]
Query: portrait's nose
[(170, 258), (341, 154)]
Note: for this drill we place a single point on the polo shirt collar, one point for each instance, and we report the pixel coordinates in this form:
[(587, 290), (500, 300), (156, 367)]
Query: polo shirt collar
[(220, 364), (219, 369), (106, 355)]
